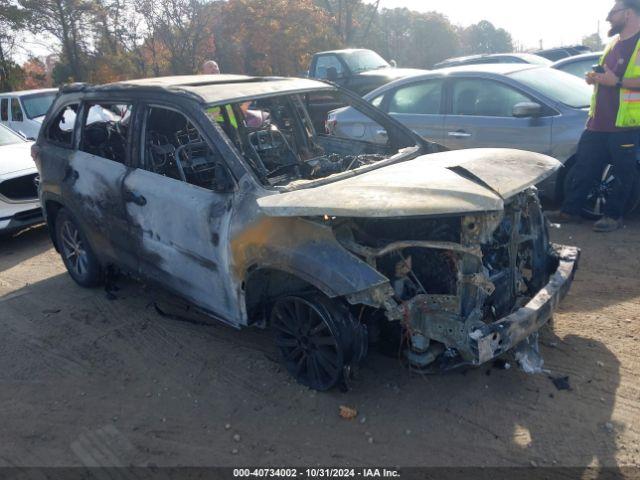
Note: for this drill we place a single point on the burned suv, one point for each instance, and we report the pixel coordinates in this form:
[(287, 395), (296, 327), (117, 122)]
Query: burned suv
[(227, 191)]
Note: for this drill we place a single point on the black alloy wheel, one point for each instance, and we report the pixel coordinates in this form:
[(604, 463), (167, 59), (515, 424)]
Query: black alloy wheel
[(309, 334), (600, 192), (76, 253)]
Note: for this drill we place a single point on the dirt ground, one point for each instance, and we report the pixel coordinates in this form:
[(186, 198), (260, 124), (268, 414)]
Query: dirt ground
[(88, 380)]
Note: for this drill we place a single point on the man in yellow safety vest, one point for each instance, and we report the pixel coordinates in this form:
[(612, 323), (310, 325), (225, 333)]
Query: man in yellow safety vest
[(613, 129)]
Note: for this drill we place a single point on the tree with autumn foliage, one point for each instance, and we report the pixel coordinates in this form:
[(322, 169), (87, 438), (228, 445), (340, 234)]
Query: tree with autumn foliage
[(271, 37), (34, 74), (109, 40)]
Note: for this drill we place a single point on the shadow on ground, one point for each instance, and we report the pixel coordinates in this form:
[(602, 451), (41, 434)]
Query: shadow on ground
[(23, 245), (86, 380)]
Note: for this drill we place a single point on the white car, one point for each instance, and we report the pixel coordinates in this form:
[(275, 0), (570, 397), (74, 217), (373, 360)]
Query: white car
[(19, 204), (24, 111)]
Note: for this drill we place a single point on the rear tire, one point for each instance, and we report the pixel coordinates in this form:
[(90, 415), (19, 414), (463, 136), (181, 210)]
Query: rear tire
[(600, 191), (77, 255)]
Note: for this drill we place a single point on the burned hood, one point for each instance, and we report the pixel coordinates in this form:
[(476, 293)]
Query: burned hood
[(461, 181)]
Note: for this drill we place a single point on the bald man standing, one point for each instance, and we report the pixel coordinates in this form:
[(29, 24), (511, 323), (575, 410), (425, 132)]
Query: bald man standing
[(210, 68)]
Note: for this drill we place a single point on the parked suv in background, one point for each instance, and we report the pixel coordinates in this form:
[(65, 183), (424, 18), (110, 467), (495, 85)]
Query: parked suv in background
[(356, 69), (220, 190), (24, 111), (508, 106)]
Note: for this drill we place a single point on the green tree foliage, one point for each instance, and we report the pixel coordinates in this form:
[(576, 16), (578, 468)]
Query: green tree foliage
[(594, 42), (483, 37), (69, 22), (12, 19), (428, 39)]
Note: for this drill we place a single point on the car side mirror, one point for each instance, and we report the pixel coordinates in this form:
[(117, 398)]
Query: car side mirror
[(332, 74), (223, 180), (393, 63), (527, 110)]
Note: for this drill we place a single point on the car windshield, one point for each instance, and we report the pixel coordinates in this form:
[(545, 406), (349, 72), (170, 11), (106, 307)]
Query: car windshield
[(289, 140), (7, 137), (363, 60), (578, 68), (36, 105), (536, 59), (556, 85)]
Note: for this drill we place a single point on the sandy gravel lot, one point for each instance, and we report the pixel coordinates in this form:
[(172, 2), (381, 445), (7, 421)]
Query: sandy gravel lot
[(88, 380)]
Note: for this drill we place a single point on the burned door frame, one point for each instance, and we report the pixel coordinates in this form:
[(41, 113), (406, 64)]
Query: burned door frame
[(70, 162), (181, 229), (110, 234)]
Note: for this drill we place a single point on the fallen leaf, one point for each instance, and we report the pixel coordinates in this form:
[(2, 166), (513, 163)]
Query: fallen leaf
[(348, 413)]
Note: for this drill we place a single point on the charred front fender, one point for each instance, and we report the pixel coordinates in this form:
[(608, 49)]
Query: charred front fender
[(305, 249)]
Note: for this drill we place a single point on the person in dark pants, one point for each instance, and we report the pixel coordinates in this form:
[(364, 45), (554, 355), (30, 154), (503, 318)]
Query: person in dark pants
[(613, 128)]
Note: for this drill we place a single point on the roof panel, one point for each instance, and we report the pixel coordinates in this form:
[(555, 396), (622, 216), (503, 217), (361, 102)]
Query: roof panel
[(225, 88), (235, 92), (180, 80)]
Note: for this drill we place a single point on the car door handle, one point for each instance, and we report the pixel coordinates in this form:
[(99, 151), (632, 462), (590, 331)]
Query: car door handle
[(382, 133), (71, 174), (131, 197), (459, 134)]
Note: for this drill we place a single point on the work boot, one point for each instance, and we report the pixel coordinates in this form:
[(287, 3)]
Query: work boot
[(558, 216), (607, 224)]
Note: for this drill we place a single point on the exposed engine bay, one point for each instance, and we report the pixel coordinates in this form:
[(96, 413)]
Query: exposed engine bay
[(449, 277)]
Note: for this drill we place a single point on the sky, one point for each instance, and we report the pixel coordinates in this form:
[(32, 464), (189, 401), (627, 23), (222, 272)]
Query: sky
[(555, 22)]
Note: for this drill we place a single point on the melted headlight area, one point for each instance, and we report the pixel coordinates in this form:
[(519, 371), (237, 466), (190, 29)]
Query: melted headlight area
[(449, 276)]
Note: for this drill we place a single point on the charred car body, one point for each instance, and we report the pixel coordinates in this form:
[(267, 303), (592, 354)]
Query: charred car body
[(220, 189)]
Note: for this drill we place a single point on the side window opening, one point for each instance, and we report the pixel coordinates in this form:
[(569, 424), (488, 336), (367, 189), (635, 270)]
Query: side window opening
[(324, 63), (4, 110), (421, 98), (16, 111), (106, 130), (376, 102), (579, 69), (174, 148), (485, 98), (61, 128)]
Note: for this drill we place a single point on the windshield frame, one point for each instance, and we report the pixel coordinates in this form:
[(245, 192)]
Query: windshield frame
[(534, 81), (418, 146), (10, 134), (25, 98)]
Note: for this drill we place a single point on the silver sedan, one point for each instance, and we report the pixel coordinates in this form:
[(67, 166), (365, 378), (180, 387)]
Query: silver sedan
[(527, 107)]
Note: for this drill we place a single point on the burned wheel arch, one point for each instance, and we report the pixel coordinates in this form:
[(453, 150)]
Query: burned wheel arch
[(298, 252)]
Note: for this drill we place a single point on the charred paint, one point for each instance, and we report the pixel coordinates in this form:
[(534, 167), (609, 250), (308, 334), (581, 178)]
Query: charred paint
[(304, 248)]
